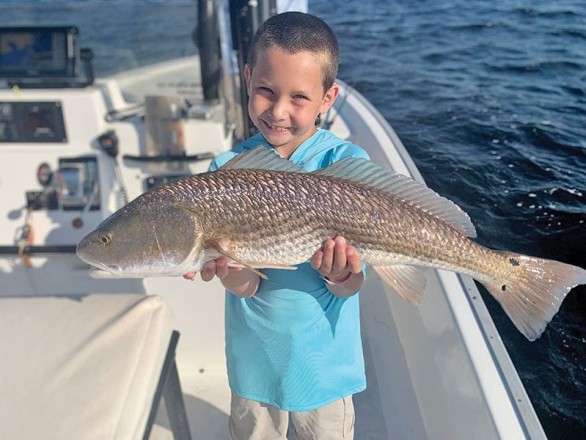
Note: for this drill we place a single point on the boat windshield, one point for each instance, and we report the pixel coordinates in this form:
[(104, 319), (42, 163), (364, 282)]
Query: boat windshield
[(123, 34)]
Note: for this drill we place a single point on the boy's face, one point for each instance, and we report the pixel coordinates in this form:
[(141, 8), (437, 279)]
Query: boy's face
[(286, 95)]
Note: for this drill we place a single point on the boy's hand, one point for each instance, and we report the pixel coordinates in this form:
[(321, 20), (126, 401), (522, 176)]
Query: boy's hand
[(336, 260), (237, 280), (217, 267)]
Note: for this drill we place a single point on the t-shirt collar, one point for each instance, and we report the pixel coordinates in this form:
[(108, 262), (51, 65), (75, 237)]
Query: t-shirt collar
[(301, 152)]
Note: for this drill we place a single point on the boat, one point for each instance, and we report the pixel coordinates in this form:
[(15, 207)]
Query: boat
[(75, 148)]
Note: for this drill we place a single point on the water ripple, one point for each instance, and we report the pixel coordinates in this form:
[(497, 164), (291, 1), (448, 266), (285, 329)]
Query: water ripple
[(489, 98)]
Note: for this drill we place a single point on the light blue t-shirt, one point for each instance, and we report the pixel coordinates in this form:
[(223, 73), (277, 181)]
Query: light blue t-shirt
[(294, 345)]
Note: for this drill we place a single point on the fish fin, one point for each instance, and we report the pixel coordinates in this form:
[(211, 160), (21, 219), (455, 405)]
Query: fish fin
[(240, 263), (368, 173), (264, 266), (534, 291), (218, 246), (276, 266), (262, 158), (408, 281)]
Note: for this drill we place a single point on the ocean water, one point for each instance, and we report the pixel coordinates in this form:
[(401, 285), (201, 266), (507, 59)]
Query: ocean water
[(489, 98)]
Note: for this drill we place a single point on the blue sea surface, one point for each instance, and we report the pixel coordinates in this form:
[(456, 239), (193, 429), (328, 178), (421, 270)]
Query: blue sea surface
[(489, 98)]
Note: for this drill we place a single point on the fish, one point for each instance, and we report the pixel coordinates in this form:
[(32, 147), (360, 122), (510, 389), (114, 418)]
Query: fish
[(262, 211)]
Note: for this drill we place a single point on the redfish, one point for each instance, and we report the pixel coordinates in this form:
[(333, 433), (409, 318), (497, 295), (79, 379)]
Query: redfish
[(262, 211)]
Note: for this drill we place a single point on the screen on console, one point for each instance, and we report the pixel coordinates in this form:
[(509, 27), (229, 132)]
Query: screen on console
[(38, 52)]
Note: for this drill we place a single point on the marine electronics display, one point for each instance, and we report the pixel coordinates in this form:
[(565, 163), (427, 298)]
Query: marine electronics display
[(39, 53)]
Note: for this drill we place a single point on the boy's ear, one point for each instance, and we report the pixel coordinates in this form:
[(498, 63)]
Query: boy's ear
[(247, 74), (329, 98)]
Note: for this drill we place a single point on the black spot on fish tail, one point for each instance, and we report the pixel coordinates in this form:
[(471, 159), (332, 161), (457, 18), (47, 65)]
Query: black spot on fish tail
[(531, 294)]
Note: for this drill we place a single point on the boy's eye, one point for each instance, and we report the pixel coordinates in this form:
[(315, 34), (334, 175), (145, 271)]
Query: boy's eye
[(265, 90), (300, 97)]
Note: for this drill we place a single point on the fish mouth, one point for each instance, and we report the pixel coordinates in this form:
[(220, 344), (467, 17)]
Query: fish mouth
[(81, 251), (103, 271), (97, 266), (116, 272), (113, 269), (97, 273)]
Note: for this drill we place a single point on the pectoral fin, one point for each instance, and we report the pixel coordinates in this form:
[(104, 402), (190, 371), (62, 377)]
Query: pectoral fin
[(239, 263), (235, 263), (222, 246), (408, 281), (274, 266)]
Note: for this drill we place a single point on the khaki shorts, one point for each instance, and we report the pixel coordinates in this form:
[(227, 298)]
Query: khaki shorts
[(251, 420)]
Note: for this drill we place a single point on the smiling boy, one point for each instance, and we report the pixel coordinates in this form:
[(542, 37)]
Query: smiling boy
[(287, 91), (293, 344)]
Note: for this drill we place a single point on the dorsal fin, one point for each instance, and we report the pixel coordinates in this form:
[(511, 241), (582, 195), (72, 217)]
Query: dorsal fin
[(368, 173), (262, 158)]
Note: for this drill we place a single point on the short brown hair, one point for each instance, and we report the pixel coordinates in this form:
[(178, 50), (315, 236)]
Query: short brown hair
[(296, 32)]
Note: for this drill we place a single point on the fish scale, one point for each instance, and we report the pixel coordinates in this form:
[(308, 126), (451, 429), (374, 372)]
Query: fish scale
[(276, 215)]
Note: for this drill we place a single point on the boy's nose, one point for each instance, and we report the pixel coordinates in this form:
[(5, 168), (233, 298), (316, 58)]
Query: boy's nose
[(278, 110)]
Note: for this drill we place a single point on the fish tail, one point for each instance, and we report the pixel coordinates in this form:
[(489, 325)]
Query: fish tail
[(534, 290)]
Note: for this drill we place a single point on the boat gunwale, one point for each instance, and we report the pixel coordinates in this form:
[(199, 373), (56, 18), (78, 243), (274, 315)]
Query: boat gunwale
[(484, 344)]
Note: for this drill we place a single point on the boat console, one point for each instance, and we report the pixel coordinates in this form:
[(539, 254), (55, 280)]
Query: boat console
[(74, 150)]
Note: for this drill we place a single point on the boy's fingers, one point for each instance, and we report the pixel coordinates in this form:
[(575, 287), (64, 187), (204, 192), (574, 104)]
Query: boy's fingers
[(316, 260), (208, 271), (339, 262), (221, 267), (218, 267), (354, 263), (328, 256)]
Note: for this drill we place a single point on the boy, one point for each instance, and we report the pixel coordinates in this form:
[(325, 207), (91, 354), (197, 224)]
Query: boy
[(293, 343)]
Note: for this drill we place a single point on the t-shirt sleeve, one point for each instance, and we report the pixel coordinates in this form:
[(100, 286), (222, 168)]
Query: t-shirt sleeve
[(248, 144), (348, 149), (221, 160)]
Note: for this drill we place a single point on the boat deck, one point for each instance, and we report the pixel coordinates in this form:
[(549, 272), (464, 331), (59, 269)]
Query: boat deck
[(207, 395), (207, 401), (414, 388)]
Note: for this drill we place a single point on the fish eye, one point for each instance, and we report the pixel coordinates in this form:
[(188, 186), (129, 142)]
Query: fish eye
[(105, 239)]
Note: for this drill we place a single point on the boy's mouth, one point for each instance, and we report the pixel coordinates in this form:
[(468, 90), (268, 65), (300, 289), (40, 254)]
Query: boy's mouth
[(275, 128)]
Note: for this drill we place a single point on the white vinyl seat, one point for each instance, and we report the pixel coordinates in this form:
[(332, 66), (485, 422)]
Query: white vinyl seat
[(84, 367)]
